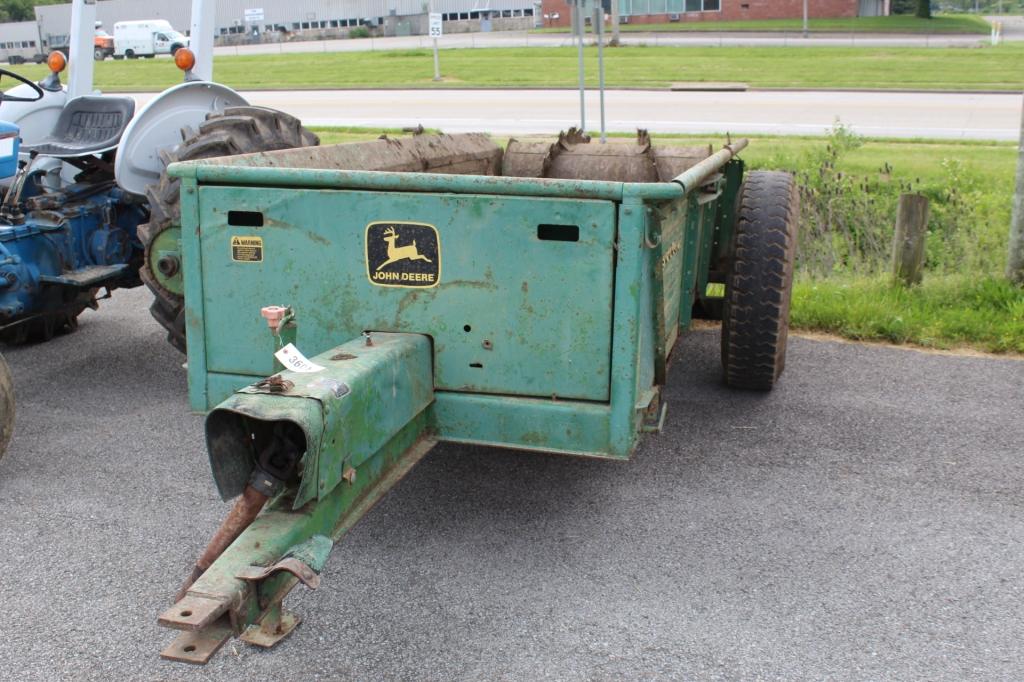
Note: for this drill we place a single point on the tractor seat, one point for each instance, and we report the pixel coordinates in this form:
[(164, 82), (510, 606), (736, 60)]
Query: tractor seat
[(87, 125)]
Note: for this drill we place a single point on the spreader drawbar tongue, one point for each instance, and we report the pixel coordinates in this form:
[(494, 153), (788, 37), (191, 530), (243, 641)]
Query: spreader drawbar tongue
[(322, 446)]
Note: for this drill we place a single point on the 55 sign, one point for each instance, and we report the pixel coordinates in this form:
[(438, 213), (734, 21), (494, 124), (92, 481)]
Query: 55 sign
[(435, 29)]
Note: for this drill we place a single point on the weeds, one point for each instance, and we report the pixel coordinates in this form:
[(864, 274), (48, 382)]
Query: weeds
[(847, 220)]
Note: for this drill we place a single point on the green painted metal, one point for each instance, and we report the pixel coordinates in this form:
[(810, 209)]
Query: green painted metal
[(542, 319), (725, 219), (585, 326), (168, 243), (363, 396), (692, 240), (534, 325), (233, 604)]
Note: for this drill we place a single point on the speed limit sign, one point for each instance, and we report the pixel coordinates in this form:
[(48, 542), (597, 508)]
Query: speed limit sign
[(435, 25)]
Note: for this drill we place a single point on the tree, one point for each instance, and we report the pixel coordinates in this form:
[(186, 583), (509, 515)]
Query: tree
[(924, 9)]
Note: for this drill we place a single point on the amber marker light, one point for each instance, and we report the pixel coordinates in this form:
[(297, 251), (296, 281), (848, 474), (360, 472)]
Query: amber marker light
[(56, 62), (184, 59)]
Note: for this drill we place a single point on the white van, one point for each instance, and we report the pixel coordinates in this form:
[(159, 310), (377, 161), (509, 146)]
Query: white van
[(134, 39)]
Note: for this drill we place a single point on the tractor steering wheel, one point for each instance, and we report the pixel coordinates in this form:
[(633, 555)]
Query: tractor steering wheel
[(4, 97)]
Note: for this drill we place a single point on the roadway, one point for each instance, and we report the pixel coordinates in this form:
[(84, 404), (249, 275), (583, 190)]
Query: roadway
[(973, 116), (863, 521)]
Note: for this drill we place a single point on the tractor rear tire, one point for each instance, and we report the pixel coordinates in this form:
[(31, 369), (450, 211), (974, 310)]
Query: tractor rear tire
[(759, 283), (6, 405), (236, 130)]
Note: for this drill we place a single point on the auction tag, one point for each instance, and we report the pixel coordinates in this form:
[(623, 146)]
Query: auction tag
[(293, 359)]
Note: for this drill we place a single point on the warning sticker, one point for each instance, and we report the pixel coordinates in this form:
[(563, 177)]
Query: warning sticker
[(247, 249), (403, 255)]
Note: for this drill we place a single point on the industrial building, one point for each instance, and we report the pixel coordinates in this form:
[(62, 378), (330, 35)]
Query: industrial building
[(241, 21), (19, 41), (556, 12)]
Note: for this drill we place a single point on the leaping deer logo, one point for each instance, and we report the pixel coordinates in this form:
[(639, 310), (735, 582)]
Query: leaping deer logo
[(397, 253)]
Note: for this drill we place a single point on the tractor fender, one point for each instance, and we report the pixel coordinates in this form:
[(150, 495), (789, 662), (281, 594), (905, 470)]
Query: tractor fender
[(157, 127), (35, 119)]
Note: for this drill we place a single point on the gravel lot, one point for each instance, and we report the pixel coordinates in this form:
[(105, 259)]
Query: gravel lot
[(864, 521)]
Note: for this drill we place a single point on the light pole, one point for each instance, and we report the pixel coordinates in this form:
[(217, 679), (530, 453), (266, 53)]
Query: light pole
[(807, 29)]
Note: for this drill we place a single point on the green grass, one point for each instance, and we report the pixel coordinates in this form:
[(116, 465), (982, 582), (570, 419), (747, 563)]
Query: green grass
[(985, 68), (983, 313), (945, 24)]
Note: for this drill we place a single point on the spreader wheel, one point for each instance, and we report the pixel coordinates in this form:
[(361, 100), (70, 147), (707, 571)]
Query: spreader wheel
[(6, 405), (755, 315), (236, 130)]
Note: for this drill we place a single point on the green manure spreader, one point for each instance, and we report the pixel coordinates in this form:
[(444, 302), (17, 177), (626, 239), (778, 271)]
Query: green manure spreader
[(348, 307)]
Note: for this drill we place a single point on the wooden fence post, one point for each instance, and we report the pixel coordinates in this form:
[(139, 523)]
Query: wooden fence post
[(908, 243)]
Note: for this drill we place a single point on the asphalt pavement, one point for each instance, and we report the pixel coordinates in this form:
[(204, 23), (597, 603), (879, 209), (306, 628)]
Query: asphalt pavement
[(863, 521)]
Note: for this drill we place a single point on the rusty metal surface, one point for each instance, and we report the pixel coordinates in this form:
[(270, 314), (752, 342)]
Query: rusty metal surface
[(238, 519), (671, 161), (699, 174), (582, 159), (528, 159), (270, 631), (300, 570), (193, 612), (464, 154), (198, 646), (574, 156)]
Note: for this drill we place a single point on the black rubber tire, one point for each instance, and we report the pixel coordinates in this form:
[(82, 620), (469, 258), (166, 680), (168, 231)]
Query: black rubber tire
[(130, 54), (238, 130), (759, 284), (99, 55), (175, 47), (6, 405)]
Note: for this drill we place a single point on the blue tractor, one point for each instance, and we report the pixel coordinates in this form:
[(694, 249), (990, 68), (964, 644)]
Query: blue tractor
[(86, 205)]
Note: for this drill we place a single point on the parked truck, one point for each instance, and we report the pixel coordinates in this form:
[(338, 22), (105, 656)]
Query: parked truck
[(148, 38)]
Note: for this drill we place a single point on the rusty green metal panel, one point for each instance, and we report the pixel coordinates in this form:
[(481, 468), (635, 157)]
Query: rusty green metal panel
[(360, 398), (513, 311), (552, 306)]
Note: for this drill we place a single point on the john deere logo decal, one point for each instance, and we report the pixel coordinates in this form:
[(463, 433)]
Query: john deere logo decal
[(403, 254)]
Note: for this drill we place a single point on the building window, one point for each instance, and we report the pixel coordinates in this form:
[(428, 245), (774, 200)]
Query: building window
[(703, 5)]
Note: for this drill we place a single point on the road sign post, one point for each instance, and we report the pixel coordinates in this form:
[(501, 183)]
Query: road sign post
[(579, 25), (599, 29), (436, 31), (1015, 260)]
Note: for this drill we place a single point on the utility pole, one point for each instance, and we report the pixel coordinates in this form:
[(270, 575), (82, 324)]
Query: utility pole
[(807, 29), (615, 23), (1015, 260), (578, 17), (599, 28)]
